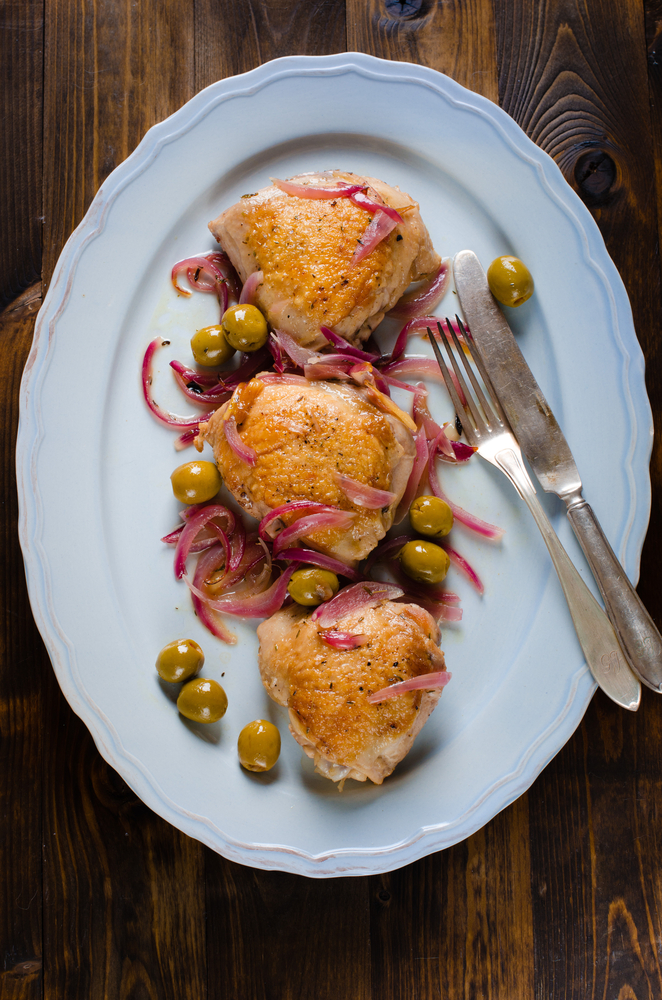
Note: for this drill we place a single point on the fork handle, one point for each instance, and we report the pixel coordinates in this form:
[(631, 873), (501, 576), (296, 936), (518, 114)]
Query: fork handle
[(594, 630), (636, 630)]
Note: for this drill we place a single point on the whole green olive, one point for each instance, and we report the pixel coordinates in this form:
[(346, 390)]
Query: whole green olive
[(431, 516), (202, 700), (424, 561), (195, 482), (245, 327), (510, 281), (179, 660), (210, 346), (311, 587), (258, 745)]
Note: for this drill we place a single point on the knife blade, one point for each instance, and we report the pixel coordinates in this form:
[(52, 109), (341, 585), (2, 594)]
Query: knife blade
[(542, 441)]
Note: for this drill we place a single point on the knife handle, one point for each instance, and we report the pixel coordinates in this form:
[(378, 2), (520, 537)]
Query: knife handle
[(594, 630), (640, 639)]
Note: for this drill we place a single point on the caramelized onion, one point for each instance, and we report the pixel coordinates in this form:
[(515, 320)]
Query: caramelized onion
[(243, 451), (170, 419), (462, 516), (343, 190), (365, 496), (357, 597), (251, 285), (424, 682), (343, 640), (426, 297)]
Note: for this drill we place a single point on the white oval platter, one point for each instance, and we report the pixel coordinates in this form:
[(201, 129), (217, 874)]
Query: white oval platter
[(94, 466)]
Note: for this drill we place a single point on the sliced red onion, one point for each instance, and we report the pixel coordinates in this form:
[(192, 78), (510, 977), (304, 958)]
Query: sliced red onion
[(426, 297), (397, 384), (441, 444), (460, 515), (417, 473), (193, 526), (312, 558), (344, 348), (197, 270), (169, 419), (287, 378), (365, 496), (343, 190), (424, 682), (439, 611), (251, 285), (377, 230), (296, 352), (186, 439), (463, 452), (363, 372), (325, 373), (465, 567), (341, 519), (370, 205), (386, 549), (199, 398), (256, 606), (210, 619), (423, 367), (243, 451), (267, 531), (357, 597), (422, 414), (204, 379), (413, 326), (343, 640)]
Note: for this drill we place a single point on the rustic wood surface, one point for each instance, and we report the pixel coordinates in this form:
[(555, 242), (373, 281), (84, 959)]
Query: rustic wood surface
[(560, 896)]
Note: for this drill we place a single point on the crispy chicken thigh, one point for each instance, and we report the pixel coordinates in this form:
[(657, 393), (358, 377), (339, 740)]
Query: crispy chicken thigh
[(326, 689), (304, 247), (305, 435)]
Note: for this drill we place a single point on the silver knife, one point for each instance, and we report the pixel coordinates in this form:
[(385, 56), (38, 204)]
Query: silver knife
[(544, 445)]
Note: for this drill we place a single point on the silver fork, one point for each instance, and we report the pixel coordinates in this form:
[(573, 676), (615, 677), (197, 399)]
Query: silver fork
[(486, 428)]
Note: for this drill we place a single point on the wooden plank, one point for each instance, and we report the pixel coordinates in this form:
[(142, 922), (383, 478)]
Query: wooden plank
[(458, 923), (456, 39), (23, 664), (21, 44), (124, 890), (251, 32), (286, 936), (111, 72), (580, 92)]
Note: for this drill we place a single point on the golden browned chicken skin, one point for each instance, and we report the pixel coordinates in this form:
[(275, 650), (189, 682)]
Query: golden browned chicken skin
[(305, 436), (304, 247), (326, 689)]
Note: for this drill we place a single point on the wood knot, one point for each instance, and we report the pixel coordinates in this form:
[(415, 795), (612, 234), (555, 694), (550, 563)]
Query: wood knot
[(406, 10), (595, 174), (384, 896)]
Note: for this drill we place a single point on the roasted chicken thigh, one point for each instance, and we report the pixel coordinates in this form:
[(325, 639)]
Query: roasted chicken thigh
[(305, 436), (326, 689), (304, 247)]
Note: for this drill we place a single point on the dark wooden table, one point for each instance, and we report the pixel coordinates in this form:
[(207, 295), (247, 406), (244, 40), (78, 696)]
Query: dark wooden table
[(560, 896)]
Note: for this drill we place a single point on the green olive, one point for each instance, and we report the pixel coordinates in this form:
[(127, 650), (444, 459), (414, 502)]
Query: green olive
[(311, 587), (424, 561), (245, 327), (210, 346), (196, 482), (431, 516), (510, 281), (202, 701), (258, 745), (179, 660)]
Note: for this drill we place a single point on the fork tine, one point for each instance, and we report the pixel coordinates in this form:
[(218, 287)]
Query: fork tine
[(478, 361), (450, 385), (487, 405), (470, 405)]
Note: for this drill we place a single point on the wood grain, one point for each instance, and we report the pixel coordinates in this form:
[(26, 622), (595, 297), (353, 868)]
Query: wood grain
[(111, 72), (21, 113), (285, 936), (453, 38), (236, 37), (560, 896)]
